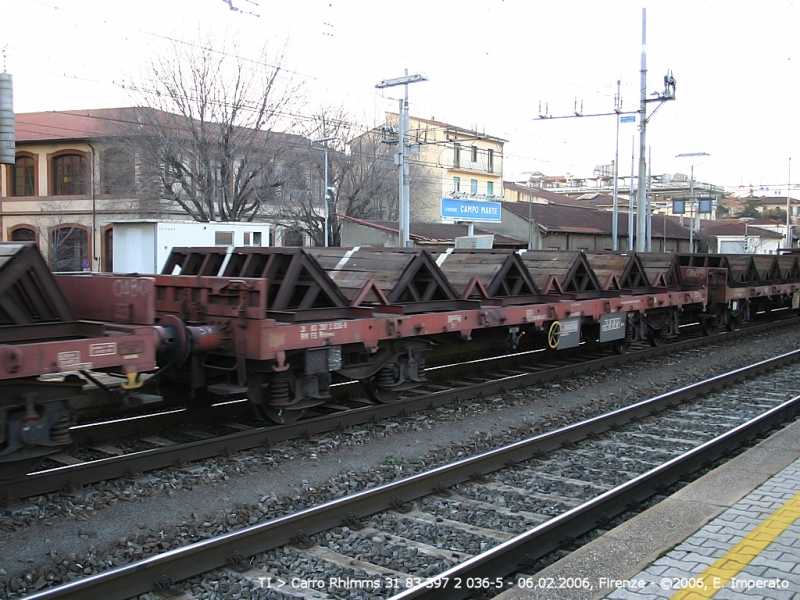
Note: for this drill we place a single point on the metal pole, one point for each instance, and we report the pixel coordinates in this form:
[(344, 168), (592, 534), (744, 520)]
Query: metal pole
[(789, 207), (649, 201), (691, 211), (401, 233), (614, 225), (406, 178), (326, 190), (630, 196), (746, 240), (402, 154), (641, 210), (530, 216), (325, 195)]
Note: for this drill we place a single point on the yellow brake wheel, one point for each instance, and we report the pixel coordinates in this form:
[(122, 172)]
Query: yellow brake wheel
[(554, 335)]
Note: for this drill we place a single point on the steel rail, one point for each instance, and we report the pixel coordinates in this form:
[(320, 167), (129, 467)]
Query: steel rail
[(72, 477), (503, 560), (182, 563)]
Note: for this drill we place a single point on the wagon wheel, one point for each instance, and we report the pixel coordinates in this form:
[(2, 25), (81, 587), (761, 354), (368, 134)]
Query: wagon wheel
[(658, 329), (711, 322), (263, 391), (554, 335), (658, 337), (281, 416), (378, 388), (620, 346)]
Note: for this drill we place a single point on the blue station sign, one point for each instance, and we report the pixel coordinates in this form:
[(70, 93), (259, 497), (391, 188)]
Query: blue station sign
[(471, 210)]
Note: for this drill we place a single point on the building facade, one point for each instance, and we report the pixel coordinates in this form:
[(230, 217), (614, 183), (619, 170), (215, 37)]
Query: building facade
[(74, 176), (452, 162)]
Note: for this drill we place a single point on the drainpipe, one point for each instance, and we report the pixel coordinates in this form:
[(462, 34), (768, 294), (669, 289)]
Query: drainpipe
[(95, 259)]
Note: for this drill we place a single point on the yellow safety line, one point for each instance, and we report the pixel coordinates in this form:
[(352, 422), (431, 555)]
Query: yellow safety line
[(739, 556)]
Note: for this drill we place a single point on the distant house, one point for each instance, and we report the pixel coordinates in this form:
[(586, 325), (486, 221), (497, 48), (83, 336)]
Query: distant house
[(517, 192), (447, 161), (358, 232), (568, 227), (734, 237), (535, 225)]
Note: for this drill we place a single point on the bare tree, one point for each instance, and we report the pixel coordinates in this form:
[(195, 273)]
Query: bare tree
[(205, 139), (361, 178), (66, 242)]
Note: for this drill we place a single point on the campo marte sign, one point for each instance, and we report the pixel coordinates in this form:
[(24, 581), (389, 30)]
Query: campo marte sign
[(471, 210)]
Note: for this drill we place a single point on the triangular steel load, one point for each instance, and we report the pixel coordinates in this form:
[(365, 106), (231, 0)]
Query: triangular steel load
[(661, 268), (298, 287), (708, 261), (29, 293), (493, 274), (767, 267), (569, 267), (743, 269), (788, 267), (618, 271), (408, 278)]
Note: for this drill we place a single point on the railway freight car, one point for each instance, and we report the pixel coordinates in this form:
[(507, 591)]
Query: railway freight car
[(277, 325), (48, 353)]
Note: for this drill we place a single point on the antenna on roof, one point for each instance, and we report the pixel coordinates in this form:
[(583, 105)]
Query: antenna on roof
[(544, 115)]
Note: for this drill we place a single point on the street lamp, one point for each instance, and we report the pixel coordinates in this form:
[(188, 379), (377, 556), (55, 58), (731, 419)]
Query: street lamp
[(691, 195), (327, 189), (402, 154)]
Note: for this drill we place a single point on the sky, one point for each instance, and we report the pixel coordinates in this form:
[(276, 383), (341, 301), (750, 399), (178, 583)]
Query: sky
[(491, 65)]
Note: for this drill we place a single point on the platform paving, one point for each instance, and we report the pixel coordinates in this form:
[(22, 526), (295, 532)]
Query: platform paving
[(734, 533)]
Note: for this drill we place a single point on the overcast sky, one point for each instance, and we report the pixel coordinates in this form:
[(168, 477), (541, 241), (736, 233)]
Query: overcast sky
[(490, 65)]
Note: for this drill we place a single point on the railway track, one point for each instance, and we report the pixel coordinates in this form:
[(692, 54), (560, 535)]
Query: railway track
[(475, 526), (144, 443)]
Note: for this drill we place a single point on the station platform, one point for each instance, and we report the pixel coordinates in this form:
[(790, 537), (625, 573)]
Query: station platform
[(734, 533)]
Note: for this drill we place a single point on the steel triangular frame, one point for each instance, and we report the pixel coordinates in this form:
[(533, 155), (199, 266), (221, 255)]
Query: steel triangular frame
[(296, 282), (29, 293)]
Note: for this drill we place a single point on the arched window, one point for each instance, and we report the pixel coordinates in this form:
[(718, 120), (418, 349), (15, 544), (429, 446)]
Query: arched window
[(23, 234), (69, 248), (23, 177), (69, 175)]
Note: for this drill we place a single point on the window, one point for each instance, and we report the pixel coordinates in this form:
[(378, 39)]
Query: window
[(108, 245), (456, 155), (69, 175), (293, 237), (490, 161), (117, 171), (473, 186), (252, 238), (223, 238), (23, 177), (456, 184), (23, 234), (490, 188), (474, 153), (69, 249)]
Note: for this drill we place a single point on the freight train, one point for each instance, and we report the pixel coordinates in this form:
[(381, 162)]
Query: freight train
[(277, 325)]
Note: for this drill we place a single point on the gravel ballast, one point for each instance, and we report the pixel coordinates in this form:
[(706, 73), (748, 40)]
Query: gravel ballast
[(55, 538)]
